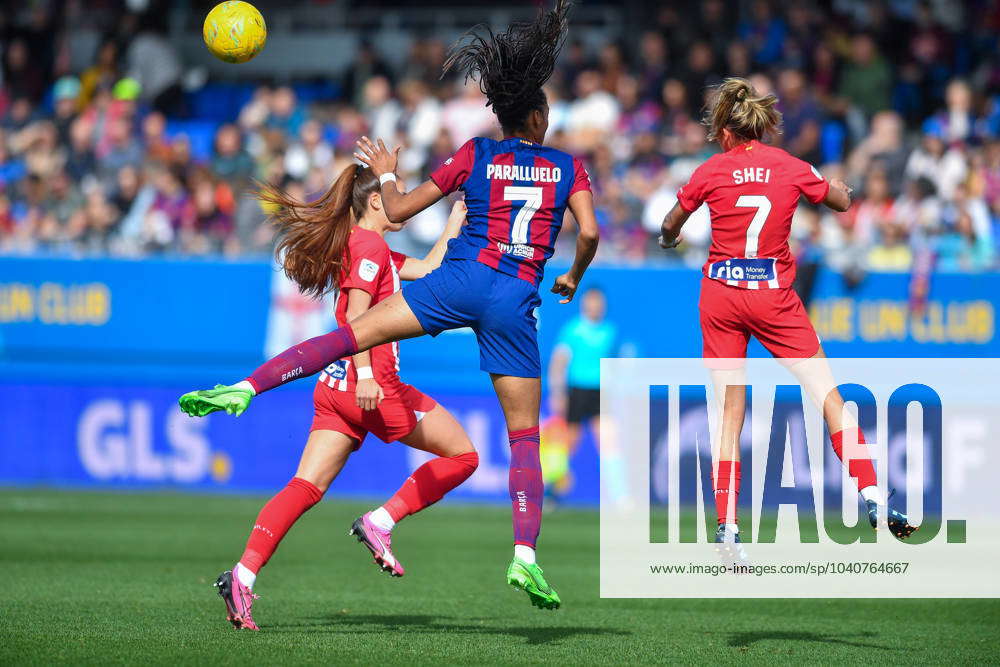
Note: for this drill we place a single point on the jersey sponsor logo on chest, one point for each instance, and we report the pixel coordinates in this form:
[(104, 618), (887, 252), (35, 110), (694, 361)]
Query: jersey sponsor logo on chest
[(751, 175), (742, 268), (337, 370), (517, 172)]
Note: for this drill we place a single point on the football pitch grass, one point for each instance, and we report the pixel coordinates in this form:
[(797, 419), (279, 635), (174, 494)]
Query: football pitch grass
[(127, 578)]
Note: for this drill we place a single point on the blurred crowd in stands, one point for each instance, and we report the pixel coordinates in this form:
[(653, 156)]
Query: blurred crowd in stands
[(900, 98)]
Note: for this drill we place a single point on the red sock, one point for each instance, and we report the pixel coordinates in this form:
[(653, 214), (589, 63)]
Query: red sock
[(727, 488), (274, 520), (859, 462), (430, 482)]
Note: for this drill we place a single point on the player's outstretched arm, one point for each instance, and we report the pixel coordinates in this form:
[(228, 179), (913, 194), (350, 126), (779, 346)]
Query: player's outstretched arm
[(581, 203), (670, 230), (414, 268), (399, 206), (839, 196)]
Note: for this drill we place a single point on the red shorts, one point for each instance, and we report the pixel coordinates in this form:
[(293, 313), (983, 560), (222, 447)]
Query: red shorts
[(395, 417), (775, 317)]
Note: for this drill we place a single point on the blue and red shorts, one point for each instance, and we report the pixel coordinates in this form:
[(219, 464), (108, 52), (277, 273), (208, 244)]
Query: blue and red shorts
[(499, 308)]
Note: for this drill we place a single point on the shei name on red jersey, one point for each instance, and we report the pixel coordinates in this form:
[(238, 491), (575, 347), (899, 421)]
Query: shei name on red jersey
[(751, 175)]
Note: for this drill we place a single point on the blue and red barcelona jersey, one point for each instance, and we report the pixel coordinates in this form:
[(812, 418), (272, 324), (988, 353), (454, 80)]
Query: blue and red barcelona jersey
[(516, 192)]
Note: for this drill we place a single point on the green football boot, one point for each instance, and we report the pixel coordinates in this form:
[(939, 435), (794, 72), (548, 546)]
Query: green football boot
[(528, 577), (206, 401)]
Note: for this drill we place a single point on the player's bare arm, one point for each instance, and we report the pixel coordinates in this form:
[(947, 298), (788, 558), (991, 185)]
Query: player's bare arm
[(414, 268), (399, 206), (588, 236), (670, 230), (839, 196), (368, 393)]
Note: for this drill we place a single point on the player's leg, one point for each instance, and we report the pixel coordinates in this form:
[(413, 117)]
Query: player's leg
[(508, 350), (438, 433), (390, 320), (520, 399), (792, 338), (322, 459), (724, 347)]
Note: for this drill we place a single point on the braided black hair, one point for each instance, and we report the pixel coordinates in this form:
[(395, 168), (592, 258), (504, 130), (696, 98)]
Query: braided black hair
[(512, 66)]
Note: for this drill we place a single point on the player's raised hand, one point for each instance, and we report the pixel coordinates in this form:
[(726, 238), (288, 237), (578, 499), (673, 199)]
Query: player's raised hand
[(565, 285), (377, 157)]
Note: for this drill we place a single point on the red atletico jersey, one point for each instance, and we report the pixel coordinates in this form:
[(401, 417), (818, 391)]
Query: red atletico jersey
[(375, 269), (752, 191)]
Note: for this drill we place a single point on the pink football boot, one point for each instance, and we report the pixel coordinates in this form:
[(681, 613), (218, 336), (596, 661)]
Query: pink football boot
[(379, 542), (239, 600)]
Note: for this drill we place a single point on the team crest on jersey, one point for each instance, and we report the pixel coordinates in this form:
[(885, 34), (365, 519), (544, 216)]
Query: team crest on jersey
[(368, 270)]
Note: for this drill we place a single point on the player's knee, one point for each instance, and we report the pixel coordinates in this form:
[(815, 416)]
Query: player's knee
[(470, 459)]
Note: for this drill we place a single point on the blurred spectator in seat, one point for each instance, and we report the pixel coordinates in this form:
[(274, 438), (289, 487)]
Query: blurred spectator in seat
[(97, 222), (764, 33), (872, 212), (123, 149), (421, 117), (918, 211), (39, 143), (973, 209), (891, 253), (932, 159), (738, 61), (637, 116), (65, 100), (699, 75), (309, 152), (866, 81), (102, 74), (19, 114), (611, 65), (7, 222), (961, 248), (956, 123), (22, 75), (210, 226), (62, 201), (467, 115), (80, 159), (366, 66), (12, 168), (883, 149), (132, 198), (824, 74), (169, 213), (285, 114), (230, 161), (154, 138), (653, 65), (382, 110), (800, 117), (593, 114)]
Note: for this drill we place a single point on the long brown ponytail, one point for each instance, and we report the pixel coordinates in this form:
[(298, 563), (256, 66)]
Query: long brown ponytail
[(737, 107), (313, 247)]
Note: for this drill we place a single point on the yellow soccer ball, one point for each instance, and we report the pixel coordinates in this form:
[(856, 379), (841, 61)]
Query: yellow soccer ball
[(234, 31)]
